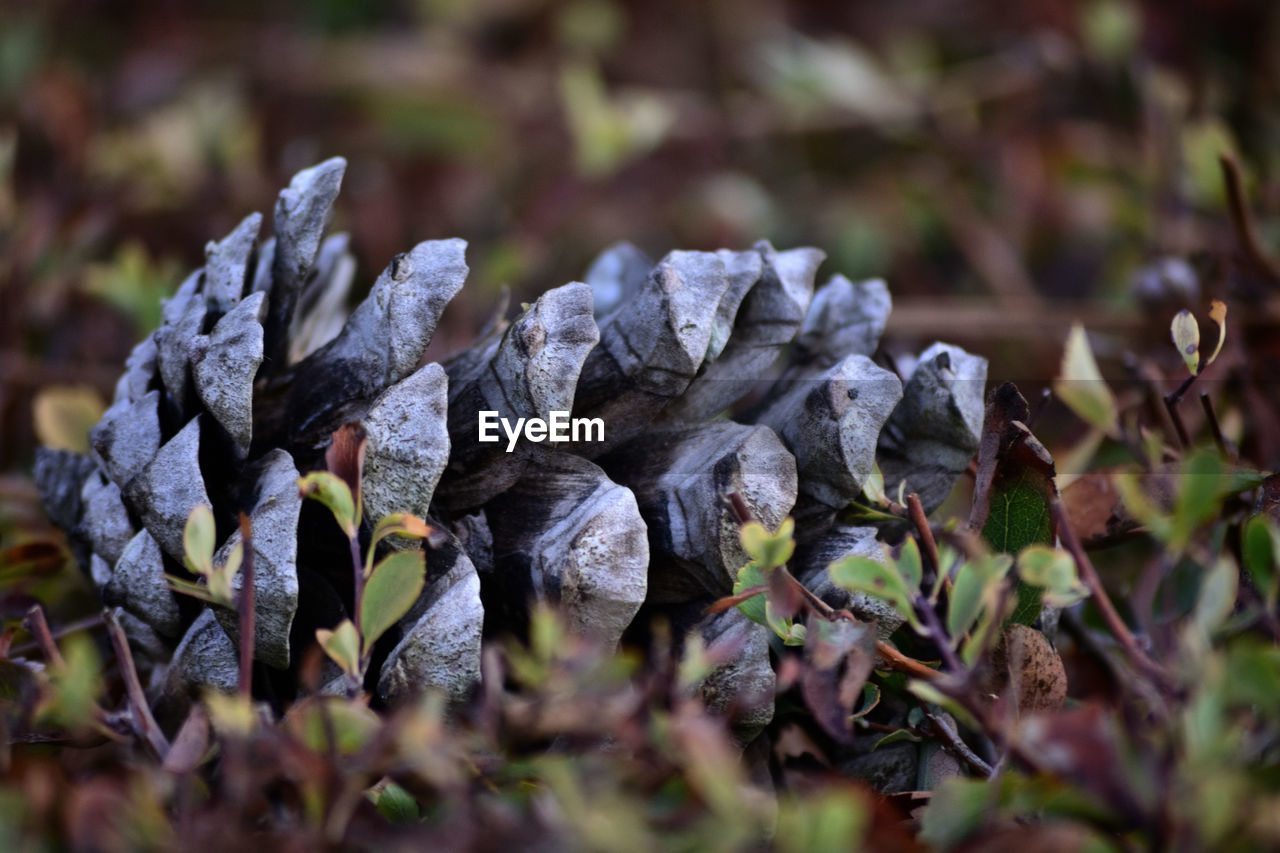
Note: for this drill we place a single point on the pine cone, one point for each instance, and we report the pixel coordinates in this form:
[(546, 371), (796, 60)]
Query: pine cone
[(255, 364)]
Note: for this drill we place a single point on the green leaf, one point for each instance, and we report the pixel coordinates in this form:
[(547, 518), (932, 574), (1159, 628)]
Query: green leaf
[(76, 685), (342, 644), (1021, 515), (63, 414), (873, 487), (390, 592), (352, 724), (182, 586), (1261, 545), (399, 524), (896, 736), (870, 699), (770, 550), (955, 812), (1186, 337), (862, 574), (331, 491), (1200, 497), (198, 540), (753, 608), (1053, 571), (1081, 387), (396, 804), (973, 580), (1217, 597), (910, 566)]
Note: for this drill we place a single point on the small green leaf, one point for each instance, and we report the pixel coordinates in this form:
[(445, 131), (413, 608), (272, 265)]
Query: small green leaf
[(753, 608), (1021, 515), (956, 810), (862, 574), (182, 586), (351, 724), (870, 699), (1081, 387), (769, 549), (1053, 571), (63, 414), (896, 737), (873, 487), (331, 491), (76, 685), (910, 566), (1200, 497), (342, 644), (1260, 549), (1186, 337), (400, 524), (396, 804), (1217, 597), (973, 579), (198, 540), (390, 592)]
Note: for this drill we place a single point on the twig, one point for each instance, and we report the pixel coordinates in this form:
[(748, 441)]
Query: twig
[(1214, 427), (144, 723), (1171, 406), (928, 547), (39, 628), (897, 660), (67, 629), (1242, 218), (959, 747), (939, 635), (245, 604), (1109, 614)]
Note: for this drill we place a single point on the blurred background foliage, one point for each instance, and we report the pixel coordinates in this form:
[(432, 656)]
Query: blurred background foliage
[(1006, 166)]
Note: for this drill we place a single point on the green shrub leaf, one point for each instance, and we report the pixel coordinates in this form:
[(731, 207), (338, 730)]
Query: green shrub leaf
[(342, 644), (1081, 387), (198, 540), (1054, 572), (390, 592), (862, 574), (331, 491)]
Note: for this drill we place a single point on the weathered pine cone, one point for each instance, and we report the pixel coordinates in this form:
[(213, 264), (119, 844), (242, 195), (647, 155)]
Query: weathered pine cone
[(256, 363)]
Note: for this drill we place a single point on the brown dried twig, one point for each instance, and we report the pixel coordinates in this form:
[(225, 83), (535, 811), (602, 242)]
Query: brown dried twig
[(143, 722)]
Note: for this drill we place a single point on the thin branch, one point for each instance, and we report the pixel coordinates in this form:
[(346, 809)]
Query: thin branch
[(928, 547), (1242, 218), (1171, 406), (897, 660), (245, 604), (1089, 576), (144, 723), (66, 630), (39, 628), (1215, 428), (959, 747)]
